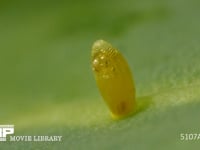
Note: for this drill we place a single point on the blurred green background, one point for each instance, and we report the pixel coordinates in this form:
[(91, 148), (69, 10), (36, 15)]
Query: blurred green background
[(47, 86)]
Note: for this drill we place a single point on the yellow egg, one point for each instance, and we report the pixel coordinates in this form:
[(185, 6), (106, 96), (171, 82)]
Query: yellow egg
[(114, 79)]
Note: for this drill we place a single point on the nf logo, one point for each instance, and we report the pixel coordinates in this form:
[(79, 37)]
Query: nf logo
[(5, 130)]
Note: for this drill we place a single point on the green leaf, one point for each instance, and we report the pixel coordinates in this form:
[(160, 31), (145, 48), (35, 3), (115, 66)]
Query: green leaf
[(47, 86)]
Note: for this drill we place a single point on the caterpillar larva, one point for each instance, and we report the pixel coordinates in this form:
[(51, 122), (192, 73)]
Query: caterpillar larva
[(114, 79)]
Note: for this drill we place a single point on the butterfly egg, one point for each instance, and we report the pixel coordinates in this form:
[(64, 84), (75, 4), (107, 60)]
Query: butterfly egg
[(114, 79)]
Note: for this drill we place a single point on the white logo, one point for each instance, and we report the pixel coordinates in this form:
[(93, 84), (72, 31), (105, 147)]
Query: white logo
[(9, 129), (5, 130)]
